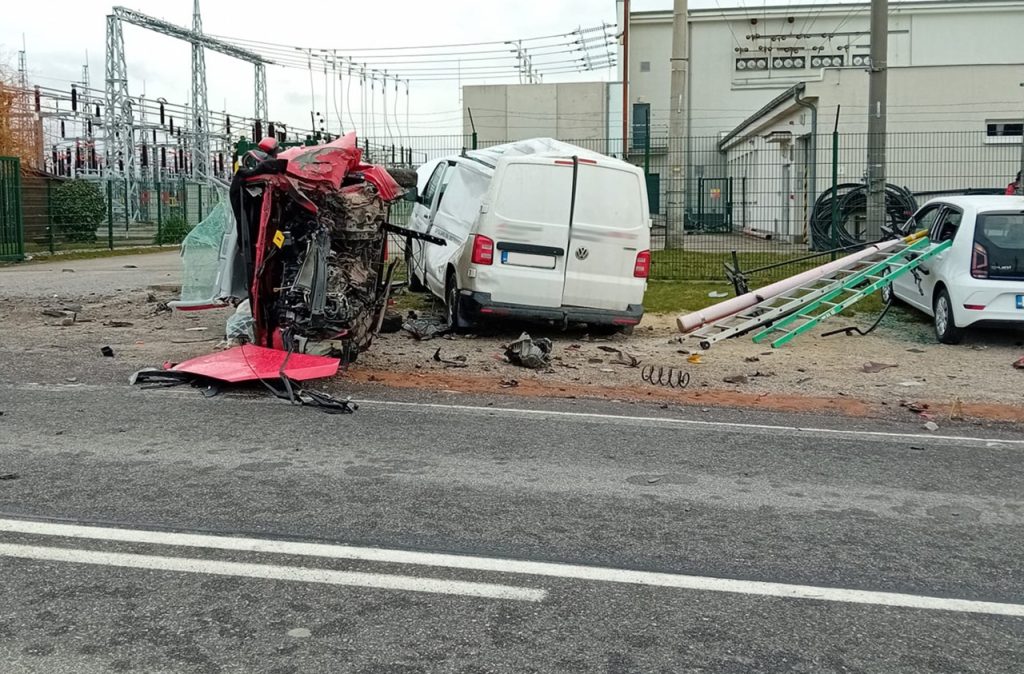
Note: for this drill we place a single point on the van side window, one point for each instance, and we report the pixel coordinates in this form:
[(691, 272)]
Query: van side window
[(432, 185)]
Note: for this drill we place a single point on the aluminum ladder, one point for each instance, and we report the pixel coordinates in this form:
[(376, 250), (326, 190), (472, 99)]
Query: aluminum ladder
[(853, 288), (776, 308)]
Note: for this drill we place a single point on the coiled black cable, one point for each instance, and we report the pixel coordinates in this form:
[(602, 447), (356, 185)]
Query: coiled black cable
[(852, 199)]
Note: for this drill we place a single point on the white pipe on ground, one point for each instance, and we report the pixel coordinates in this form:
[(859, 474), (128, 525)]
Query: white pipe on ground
[(722, 310)]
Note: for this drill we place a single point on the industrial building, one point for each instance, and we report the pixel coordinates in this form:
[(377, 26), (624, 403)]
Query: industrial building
[(764, 88)]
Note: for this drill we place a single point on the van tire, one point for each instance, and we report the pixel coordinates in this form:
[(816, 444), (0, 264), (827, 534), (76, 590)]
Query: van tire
[(945, 326), (415, 285), (454, 318)]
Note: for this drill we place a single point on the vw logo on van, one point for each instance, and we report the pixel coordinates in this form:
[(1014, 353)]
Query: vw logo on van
[(582, 253)]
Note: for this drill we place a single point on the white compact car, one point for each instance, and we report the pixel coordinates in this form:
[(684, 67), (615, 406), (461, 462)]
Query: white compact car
[(979, 280), (537, 230)]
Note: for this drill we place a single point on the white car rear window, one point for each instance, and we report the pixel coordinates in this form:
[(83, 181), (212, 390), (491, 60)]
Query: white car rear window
[(1001, 237)]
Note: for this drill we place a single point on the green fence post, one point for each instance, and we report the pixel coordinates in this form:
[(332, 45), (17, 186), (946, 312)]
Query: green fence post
[(110, 214), (159, 213), (474, 140), (199, 203), (184, 201), (49, 214), (835, 190), (127, 212)]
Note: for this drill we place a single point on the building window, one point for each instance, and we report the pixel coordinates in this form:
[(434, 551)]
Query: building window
[(645, 66), (1003, 131)]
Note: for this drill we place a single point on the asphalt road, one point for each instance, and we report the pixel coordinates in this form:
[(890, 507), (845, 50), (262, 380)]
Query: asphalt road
[(159, 531)]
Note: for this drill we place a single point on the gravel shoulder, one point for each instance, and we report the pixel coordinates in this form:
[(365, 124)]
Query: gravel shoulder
[(124, 310)]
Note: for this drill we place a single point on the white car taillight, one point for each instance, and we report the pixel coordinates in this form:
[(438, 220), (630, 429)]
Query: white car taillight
[(979, 261)]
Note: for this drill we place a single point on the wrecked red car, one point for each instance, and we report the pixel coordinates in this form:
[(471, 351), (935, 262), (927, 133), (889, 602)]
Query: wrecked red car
[(306, 246)]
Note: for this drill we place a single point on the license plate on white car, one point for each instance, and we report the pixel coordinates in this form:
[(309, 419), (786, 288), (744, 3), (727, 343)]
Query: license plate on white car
[(1020, 301)]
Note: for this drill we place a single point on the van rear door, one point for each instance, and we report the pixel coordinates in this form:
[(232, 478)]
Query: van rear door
[(529, 225), (609, 228)]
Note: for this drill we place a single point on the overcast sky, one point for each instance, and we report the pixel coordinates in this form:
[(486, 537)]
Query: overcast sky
[(59, 33)]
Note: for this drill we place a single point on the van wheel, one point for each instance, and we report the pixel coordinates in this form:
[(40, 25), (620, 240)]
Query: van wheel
[(887, 294), (453, 306), (945, 327), (415, 285)]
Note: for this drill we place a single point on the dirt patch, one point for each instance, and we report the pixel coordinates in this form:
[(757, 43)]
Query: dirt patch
[(814, 373)]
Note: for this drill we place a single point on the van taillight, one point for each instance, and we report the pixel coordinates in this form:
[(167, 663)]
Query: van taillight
[(643, 264), (483, 250), (979, 261)]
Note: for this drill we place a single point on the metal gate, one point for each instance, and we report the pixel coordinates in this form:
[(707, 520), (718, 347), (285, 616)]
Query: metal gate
[(12, 231)]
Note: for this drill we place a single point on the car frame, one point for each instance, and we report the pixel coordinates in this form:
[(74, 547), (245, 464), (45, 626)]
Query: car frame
[(952, 287)]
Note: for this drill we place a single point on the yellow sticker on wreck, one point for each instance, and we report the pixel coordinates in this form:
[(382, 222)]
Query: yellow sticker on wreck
[(278, 238)]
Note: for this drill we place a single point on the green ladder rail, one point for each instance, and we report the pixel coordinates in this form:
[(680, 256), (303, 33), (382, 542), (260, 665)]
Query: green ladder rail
[(773, 309), (857, 286)]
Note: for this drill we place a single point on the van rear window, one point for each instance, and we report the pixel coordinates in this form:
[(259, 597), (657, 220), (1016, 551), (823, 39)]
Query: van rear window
[(999, 245)]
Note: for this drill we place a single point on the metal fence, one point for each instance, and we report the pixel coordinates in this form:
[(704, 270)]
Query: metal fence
[(768, 198), (12, 241), (63, 214), (758, 199)]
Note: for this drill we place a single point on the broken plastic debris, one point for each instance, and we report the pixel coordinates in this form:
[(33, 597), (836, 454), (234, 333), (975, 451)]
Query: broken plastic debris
[(695, 359), (872, 367), (527, 352)]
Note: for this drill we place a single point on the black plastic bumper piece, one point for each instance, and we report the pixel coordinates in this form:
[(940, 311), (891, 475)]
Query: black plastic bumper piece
[(476, 305)]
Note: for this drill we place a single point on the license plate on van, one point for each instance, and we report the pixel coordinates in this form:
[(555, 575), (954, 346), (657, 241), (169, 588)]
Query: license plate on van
[(527, 260), (1020, 301)]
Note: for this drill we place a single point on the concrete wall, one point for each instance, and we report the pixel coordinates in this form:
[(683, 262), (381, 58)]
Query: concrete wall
[(568, 111)]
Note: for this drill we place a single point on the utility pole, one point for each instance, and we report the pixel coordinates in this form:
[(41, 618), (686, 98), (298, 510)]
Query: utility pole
[(677, 130), (625, 78), (877, 101)]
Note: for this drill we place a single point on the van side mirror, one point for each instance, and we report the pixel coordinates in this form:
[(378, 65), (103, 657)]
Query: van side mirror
[(412, 194)]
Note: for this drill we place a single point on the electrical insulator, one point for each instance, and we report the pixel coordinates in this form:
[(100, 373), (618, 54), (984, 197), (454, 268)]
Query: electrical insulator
[(172, 125), (163, 157), (62, 129), (55, 158), (270, 129), (145, 156), (39, 100), (258, 132), (176, 161), (88, 125), (97, 111), (162, 115), (227, 125), (74, 99)]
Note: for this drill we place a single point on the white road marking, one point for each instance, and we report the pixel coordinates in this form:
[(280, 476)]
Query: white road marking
[(509, 566), (991, 442), (273, 572)]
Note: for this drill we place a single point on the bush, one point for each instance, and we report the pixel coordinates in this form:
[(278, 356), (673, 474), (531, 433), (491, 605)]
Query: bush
[(78, 209), (172, 231)]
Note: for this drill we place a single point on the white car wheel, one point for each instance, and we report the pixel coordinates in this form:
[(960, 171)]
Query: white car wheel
[(945, 326)]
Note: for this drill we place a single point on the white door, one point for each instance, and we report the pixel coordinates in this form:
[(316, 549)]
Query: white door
[(422, 212), (910, 287), (609, 230), (933, 269), (529, 225), (455, 211)]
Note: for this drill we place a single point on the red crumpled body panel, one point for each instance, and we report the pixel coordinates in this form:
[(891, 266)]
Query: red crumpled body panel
[(329, 164), (251, 362)]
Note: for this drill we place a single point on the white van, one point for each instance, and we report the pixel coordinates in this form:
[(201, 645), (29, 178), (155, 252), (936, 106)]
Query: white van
[(538, 230)]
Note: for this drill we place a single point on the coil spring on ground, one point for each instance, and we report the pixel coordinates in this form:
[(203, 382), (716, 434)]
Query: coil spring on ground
[(665, 376)]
